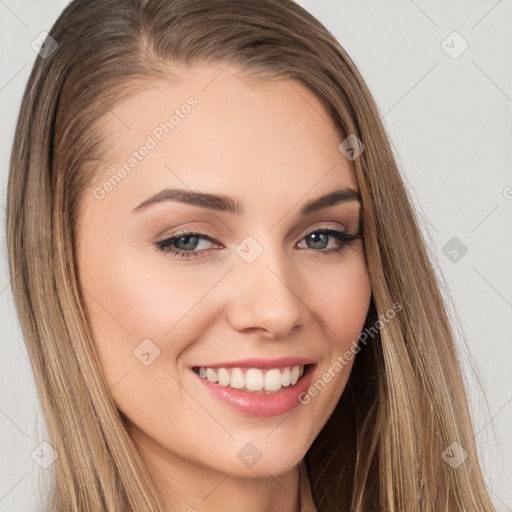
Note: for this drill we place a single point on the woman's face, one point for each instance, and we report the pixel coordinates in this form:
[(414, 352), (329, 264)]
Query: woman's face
[(261, 285)]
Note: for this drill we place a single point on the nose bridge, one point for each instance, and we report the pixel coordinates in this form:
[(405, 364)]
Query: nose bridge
[(266, 295)]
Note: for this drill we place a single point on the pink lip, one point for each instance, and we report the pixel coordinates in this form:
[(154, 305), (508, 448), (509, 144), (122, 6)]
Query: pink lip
[(261, 404), (281, 362)]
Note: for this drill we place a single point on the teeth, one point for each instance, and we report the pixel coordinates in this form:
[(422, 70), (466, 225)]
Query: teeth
[(253, 379), (223, 376), (285, 377), (273, 380), (294, 374), (211, 375), (237, 378)]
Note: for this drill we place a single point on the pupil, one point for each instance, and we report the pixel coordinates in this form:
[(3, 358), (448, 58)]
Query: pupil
[(315, 237), (188, 237)]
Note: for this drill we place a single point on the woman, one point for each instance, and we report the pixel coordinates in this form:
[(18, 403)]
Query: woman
[(180, 173)]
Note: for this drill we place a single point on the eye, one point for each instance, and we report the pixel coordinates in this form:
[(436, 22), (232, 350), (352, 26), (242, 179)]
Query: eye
[(319, 239), (185, 244)]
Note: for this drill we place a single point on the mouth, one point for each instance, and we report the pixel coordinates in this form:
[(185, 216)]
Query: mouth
[(263, 381)]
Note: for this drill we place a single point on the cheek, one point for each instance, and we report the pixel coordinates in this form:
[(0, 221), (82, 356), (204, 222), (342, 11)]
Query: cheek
[(141, 296), (344, 300), (342, 306), (349, 308), (144, 314)]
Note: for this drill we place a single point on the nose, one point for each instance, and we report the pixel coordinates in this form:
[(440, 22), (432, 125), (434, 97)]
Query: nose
[(267, 298)]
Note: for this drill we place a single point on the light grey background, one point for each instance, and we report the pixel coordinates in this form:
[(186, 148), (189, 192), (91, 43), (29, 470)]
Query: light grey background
[(450, 123)]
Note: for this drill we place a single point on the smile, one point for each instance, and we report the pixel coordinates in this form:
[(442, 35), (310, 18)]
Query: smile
[(253, 379), (277, 390)]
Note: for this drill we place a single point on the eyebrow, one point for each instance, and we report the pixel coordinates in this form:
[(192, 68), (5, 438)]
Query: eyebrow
[(227, 204)]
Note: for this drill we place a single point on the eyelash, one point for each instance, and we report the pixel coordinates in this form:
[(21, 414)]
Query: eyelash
[(344, 236)]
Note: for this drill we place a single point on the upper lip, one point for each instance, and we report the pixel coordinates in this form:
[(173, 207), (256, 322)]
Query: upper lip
[(281, 362)]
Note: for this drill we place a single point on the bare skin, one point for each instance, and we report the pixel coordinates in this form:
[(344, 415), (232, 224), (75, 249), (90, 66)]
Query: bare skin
[(272, 148)]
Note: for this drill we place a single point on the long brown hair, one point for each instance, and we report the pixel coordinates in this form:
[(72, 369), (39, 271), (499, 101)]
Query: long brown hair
[(405, 401)]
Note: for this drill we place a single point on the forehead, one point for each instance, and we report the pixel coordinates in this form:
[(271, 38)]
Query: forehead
[(215, 130)]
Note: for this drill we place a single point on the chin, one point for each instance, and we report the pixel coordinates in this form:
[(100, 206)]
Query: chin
[(259, 459)]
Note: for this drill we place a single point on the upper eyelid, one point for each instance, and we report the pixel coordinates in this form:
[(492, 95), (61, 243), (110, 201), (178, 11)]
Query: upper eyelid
[(213, 237), (325, 228)]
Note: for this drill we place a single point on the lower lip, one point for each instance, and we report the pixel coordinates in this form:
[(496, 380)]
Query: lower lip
[(261, 404)]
